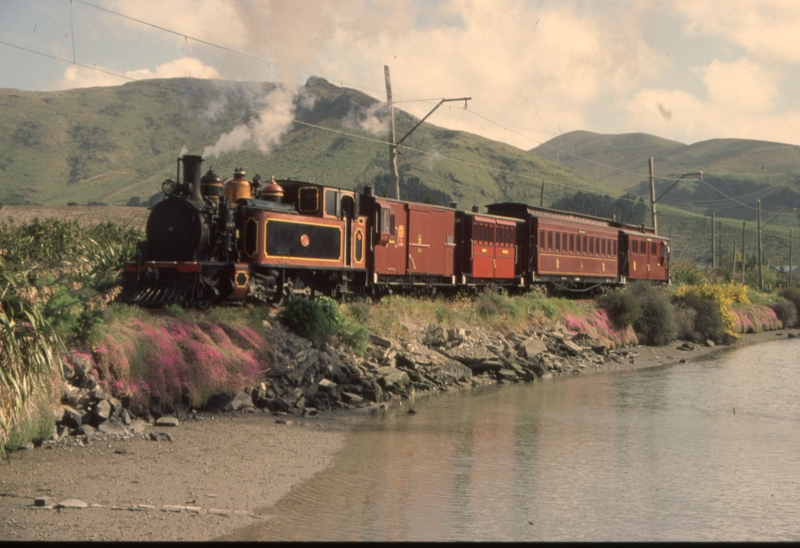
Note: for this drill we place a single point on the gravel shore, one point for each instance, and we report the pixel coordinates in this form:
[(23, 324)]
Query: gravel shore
[(217, 470)]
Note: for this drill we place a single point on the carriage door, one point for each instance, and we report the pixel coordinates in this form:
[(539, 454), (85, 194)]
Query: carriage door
[(419, 240), (483, 263), (347, 215), (504, 252)]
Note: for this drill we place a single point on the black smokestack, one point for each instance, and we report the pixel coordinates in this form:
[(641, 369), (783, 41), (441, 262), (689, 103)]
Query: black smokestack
[(191, 175)]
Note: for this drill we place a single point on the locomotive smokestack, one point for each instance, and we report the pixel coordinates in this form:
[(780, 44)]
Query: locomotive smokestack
[(191, 174), (368, 190)]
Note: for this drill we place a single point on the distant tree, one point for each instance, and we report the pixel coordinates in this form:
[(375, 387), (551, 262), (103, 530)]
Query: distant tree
[(135, 201), (631, 210), (154, 199), (411, 188)]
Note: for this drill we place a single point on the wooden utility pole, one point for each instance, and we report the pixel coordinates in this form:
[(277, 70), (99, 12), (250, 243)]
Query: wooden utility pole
[(790, 259), (393, 145), (541, 198), (733, 261), (713, 245), (744, 224), (653, 197), (760, 256), (719, 244)]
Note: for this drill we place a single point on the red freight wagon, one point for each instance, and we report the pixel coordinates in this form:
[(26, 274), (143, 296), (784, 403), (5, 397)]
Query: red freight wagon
[(644, 256), (487, 246)]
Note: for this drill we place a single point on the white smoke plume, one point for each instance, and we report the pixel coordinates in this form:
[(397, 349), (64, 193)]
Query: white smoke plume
[(263, 131), (374, 119)]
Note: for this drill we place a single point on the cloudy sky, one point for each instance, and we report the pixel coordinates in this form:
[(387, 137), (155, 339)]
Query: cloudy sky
[(687, 70)]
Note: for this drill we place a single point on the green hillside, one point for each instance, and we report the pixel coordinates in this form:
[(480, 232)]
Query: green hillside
[(113, 145), (737, 172)]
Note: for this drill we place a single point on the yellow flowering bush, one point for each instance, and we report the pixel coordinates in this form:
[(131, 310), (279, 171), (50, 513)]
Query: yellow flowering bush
[(723, 296)]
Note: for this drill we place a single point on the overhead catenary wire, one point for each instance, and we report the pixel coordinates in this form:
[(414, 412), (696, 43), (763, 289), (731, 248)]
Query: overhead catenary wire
[(776, 187)]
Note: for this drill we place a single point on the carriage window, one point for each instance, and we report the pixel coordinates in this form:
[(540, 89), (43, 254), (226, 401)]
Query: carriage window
[(615, 249), (635, 247), (591, 245), (330, 202), (541, 238), (549, 239), (654, 250), (308, 201), (604, 246), (387, 221), (572, 242), (558, 241), (585, 247)]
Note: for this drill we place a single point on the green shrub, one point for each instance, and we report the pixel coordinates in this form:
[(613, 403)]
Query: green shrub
[(656, 324), (493, 303), (175, 311), (708, 322), (786, 312), (307, 318), (685, 272), (622, 307), (793, 296), (684, 320), (321, 319), (36, 425)]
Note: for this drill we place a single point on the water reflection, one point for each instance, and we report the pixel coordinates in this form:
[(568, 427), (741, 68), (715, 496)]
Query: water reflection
[(649, 455)]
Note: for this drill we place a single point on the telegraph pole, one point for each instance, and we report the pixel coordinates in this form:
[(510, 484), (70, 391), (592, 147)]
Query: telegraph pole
[(713, 245), (653, 197), (541, 198), (393, 145), (790, 260), (760, 266), (744, 225)]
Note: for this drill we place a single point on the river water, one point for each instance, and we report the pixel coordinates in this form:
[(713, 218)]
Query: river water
[(708, 450)]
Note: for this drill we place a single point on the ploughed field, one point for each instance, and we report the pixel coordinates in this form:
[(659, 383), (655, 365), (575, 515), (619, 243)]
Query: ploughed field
[(135, 217)]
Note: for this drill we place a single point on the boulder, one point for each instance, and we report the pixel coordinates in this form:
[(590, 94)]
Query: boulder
[(113, 427), (570, 348), (391, 377), (507, 375), (102, 411), (241, 400), (435, 335), (531, 348), (380, 341), (71, 503), (469, 354)]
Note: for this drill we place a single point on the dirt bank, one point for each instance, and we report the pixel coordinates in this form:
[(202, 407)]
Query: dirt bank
[(209, 479)]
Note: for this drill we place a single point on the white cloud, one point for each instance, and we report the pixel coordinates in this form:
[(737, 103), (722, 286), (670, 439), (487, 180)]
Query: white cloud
[(741, 85), (766, 29), (740, 102), (82, 77), (179, 68)]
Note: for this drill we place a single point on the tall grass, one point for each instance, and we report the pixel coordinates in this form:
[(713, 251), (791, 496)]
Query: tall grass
[(29, 355)]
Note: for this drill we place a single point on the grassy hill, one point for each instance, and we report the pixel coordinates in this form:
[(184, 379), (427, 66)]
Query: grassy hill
[(114, 144), (737, 172), (111, 144)]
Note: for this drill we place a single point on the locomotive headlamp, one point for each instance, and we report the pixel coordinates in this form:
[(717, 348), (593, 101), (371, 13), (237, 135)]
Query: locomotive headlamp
[(169, 186)]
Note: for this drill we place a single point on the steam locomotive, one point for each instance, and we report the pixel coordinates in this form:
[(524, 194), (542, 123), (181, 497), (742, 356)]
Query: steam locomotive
[(241, 240)]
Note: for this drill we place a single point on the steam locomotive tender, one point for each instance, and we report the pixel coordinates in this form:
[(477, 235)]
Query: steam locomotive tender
[(241, 240)]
